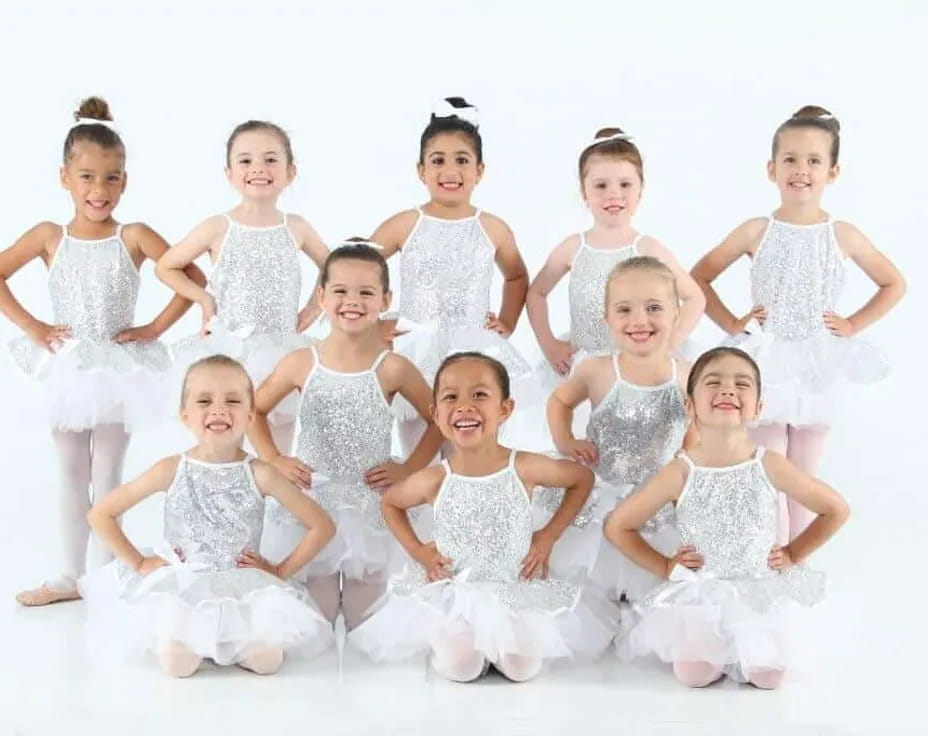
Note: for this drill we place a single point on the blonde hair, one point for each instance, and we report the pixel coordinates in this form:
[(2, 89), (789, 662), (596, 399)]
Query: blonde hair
[(642, 264), (218, 361)]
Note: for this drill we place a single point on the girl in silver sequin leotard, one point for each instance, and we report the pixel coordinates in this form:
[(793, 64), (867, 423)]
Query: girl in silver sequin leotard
[(721, 606)]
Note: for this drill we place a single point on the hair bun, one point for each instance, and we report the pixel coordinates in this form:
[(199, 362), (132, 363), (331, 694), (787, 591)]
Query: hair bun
[(93, 108), (608, 133), (818, 113), (456, 107)]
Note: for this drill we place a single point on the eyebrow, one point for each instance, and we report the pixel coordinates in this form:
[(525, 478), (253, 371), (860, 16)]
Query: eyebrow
[(748, 376), (345, 286), (264, 153), (456, 153)]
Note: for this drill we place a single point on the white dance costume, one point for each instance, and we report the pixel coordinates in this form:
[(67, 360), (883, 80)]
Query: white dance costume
[(446, 269), (91, 380), (201, 599), (484, 525), (797, 275), (256, 284), (730, 612), (344, 429), (636, 431)]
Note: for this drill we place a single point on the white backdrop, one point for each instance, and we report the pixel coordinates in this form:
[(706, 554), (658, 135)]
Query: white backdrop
[(701, 86)]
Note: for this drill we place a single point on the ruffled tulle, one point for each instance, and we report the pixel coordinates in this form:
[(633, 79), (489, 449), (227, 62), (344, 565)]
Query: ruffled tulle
[(217, 614), (697, 617), (546, 618), (84, 384), (801, 377), (427, 346), (258, 352)]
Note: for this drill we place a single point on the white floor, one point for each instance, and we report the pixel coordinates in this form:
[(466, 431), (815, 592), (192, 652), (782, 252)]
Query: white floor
[(860, 656)]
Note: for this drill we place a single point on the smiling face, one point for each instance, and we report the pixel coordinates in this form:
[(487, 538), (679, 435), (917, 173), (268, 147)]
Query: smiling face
[(218, 405), (641, 311), (258, 166), (802, 167), (725, 394), (469, 404), (353, 297), (612, 190), (95, 178), (449, 168)]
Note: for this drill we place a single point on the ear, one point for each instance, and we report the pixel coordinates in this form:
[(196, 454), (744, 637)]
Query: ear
[(771, 171), (760, 410), (833, 173), (125, 180), (291, 172), (387, 300), (480, 170), (320, 293), (229, 174), (63, 178), (506, 410), (690, 410), (420, 171)]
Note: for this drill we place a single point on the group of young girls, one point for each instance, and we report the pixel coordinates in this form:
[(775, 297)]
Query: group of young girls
[(671, 513)]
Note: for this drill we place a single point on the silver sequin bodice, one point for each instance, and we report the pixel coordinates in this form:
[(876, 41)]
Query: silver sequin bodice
[(213, 511), (484, 524), (344, 430), (94, 286), (587, 292), (730, 516), (797, 275), (446, 268), (637, 429), (256, 280)]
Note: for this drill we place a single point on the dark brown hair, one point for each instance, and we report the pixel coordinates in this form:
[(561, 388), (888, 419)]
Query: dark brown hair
[(250, 125), (642, 264), (453, 124), (812, 116), (703, 361), (220, 361), (624, 150), (356, 249), (94, 108), (502, 375)]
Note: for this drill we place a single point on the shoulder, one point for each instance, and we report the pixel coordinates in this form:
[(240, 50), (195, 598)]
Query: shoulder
[(676, 471), (496, 228), (396, 364), (595, 366), (297, 361), (850, 239), (300, 225), (774, 462), (166, 468), (139, 231), (393, 231), (264, 473), (567, 248), (428, 479), (44, 236)]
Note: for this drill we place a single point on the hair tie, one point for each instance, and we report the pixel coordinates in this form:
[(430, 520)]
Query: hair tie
[(608, 138), (94, 121), (368, 243), (444, 109)]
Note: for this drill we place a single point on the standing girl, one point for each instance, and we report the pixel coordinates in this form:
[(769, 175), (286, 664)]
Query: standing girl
[(804, 348), (475, 597), (447, 249), (341, 453), (638, 421), (251, 307), (611, 184), (726, 587), (100, 375), (205, 592)]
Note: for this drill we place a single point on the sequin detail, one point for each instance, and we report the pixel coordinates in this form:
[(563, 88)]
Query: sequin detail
[(256, 280), (730, 516), (637, 430), (213, 512), (484, 525), (344, 429), (797, 275), (446, 269), (587, 293)]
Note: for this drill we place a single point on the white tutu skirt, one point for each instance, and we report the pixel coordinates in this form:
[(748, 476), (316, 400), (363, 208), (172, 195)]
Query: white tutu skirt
[(800, 378), (84, 384), (427, 346), (536, 618), (615, 574), (259, 353), (695, 617), (217, 614)]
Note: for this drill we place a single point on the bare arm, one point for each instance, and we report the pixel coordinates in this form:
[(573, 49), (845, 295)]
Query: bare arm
[(319, 526), (171, 267), (878, 268), (560, 410), (311, 244), (419, 488), (511, 266), (631, 514), (31, 245), (816, 496), (105, 512), (741, 241), (536, 300), (694, 301), (393, 232), (577, 482)]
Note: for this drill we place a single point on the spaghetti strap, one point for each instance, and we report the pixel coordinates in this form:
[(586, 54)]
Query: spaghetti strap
[(615, 365), (673, 370), (119, 231), (512, 460), (687, 459), (378, 360), (634, 243)]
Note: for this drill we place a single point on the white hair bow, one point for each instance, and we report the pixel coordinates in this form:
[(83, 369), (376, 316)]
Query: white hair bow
[(94, 121), (444, 109), (607, 138)]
